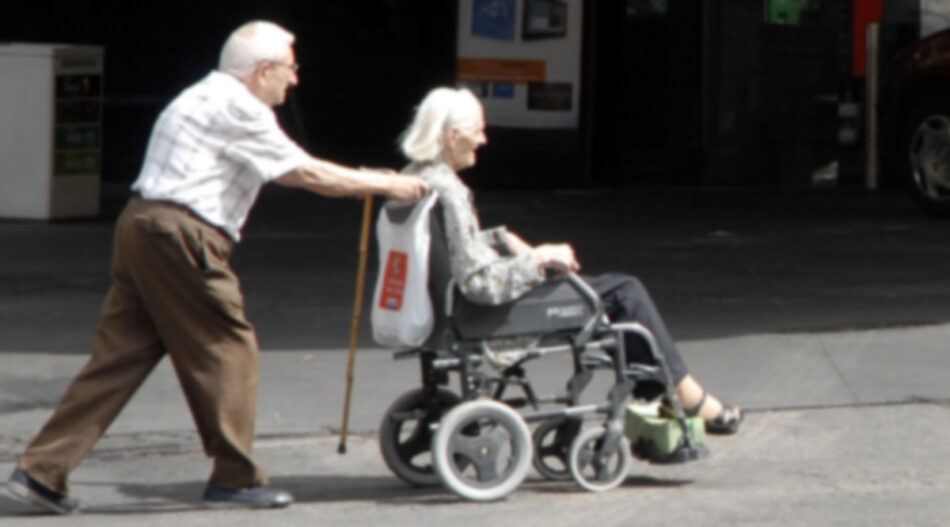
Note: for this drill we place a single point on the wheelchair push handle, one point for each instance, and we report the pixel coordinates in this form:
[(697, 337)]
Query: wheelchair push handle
[(588, 292), (597, 306)]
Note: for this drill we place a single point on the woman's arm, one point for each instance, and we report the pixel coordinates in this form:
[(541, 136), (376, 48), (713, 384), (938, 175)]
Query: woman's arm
[(558, 256), (483, 275), (516, 245)]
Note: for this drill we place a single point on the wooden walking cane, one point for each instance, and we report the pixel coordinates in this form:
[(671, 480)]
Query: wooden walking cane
[(355, 327)]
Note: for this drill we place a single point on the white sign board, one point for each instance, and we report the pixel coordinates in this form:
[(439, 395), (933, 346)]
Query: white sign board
[(523, 59)]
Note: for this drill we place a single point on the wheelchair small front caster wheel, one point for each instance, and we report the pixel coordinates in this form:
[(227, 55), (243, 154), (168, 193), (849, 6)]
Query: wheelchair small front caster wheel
[(552, 447), (594, 469), (482, 450), (405, 434)]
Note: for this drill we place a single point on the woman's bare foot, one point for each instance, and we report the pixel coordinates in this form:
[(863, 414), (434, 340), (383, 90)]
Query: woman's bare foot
[(719, 418)]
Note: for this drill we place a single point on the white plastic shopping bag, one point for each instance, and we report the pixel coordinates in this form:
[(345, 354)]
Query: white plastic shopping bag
[(402, 311)]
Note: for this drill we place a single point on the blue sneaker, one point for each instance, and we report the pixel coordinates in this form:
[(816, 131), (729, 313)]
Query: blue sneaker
[(254, 497), (23, 486)]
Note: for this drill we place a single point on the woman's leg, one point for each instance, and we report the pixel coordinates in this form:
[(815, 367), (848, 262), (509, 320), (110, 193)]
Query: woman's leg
[(626, 299)]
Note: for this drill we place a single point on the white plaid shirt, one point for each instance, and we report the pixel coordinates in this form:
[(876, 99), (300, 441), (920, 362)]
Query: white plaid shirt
[(211, 150)]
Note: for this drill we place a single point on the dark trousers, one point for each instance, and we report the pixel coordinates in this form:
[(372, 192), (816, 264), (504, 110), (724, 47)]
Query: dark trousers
[(173, 292), (627, 300)]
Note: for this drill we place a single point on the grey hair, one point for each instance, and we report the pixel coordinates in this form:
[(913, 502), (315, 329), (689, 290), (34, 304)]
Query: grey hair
[(440, 111), (251, 44)]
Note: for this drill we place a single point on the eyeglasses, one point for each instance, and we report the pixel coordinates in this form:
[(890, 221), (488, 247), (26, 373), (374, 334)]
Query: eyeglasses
[(293, 66)]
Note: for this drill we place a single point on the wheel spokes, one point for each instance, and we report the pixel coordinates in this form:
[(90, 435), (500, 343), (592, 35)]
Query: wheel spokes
[(417, 443), (930, 157)]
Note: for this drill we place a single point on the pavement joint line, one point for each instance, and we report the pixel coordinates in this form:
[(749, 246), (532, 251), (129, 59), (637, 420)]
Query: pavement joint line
[(841, 376), (190, 443), (911, 401), (851, 327)]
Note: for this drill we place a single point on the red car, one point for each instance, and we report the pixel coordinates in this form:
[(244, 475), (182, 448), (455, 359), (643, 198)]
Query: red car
[(915, 119)]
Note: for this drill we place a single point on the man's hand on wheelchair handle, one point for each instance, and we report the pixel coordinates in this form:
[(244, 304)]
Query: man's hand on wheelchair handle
[(407, 188)]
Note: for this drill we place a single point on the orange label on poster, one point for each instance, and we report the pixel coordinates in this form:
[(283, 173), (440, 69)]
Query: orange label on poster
[(394, 281), (501, 70)]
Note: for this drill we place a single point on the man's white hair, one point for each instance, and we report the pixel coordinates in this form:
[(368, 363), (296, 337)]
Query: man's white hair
[(442, 110), (251, 44)]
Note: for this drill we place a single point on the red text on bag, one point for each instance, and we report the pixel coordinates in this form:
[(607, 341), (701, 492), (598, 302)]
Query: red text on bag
[(394, 281)]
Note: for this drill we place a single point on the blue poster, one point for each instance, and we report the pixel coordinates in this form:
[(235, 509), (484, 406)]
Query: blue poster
[(494, 19), (503, 91)]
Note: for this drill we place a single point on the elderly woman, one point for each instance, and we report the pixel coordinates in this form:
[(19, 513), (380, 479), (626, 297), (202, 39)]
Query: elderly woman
[(494, 266)]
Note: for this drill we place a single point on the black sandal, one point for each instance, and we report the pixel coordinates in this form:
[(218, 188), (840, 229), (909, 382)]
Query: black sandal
[(727, 422), (667, 411)]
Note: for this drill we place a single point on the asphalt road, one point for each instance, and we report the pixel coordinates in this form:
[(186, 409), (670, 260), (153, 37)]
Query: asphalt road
[(759, 260)]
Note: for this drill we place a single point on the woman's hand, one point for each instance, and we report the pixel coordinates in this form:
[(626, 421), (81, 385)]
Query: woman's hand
[(558, 256)]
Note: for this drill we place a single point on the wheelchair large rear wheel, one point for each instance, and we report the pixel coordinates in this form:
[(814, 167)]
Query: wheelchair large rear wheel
[(482, 450), (552, 447), (598, 471), (405, 434)]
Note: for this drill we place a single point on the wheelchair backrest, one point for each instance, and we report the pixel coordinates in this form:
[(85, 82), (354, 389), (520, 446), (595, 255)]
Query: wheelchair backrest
[(440, 276), (555, 306)]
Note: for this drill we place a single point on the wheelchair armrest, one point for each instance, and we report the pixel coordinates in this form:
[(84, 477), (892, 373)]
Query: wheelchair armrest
[(497, 316)]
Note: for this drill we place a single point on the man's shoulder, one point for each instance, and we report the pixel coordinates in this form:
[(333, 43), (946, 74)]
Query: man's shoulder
[(220, 95)]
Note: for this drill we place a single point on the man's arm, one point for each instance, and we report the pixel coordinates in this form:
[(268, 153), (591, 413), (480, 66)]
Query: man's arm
[(331, 179)]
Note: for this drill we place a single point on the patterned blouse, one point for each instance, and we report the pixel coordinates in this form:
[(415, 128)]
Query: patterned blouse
[(477, 257)]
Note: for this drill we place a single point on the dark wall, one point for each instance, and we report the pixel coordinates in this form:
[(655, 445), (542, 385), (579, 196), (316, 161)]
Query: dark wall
[(364, 65), (770, 95), (668, 98), (647, 107)]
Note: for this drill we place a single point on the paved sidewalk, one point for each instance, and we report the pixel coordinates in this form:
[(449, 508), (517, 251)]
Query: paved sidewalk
[(841, 430), (301, 392)]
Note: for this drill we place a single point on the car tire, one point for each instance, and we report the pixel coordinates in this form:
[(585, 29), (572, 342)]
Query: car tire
[(923, 154)]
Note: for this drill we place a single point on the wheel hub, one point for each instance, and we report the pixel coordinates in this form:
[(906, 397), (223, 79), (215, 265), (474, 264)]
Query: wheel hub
[(930, 157)]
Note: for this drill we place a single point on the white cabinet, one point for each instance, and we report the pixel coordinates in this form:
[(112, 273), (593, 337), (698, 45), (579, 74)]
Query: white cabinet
[(50, 130)]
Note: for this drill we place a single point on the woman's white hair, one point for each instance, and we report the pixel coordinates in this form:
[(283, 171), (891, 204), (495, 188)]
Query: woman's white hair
[(251, 44), (442, 110)]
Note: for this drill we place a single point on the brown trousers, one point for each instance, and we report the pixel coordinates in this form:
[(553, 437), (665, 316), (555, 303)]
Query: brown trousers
[(173, 292)]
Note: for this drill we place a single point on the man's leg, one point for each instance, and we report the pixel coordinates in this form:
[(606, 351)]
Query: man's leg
[(195, 299), (125, 351)]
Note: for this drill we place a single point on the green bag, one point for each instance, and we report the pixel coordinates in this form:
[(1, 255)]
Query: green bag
[(657, 435)]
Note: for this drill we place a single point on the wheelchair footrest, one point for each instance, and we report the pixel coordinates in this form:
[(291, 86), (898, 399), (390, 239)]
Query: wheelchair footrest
[(646, 450), (663, 441)]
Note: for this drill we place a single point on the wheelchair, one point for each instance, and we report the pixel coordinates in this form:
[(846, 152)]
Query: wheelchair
[(477, 441)]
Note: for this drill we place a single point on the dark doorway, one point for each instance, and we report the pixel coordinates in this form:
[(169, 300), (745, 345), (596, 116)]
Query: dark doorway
[(647, 96), (771, 88)]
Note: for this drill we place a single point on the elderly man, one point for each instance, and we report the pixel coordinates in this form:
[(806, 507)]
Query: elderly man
[(174, 291)]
